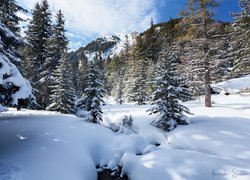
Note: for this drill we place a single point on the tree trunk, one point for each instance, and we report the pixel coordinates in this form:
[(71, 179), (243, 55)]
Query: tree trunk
[(207, 78), (207, 82), (208, 102)]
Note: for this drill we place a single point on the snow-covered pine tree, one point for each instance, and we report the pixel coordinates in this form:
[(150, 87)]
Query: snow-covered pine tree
[(192, 67), (37, 53), (120, 90), (57, 48), (109, 80), (15, 90), (58, 43), (89, 106), (81, 79), (152, 47), (99, 63), (220, 60), (127, 126), (129, 80), (169, 91), (63, 92), (122, 64), (138, 91), (240, 43), (197, 18)]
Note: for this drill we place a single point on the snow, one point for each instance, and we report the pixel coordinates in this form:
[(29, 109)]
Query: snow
[(48, 145), (120, 40), (15, 78), (234, 85), (2, 108)]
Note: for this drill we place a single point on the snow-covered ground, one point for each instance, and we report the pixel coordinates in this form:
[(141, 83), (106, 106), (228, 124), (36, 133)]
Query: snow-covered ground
[(233, 85), (41, 145)]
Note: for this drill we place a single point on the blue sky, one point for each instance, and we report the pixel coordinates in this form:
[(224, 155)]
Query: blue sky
[(172, 8), (88, 19)]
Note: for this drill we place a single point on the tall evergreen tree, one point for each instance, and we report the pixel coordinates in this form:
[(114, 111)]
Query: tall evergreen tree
[(197, 18), (37, 53), (63, 92), (151, 45), (122, 65), (120, 90), (168, 92), (9, 17), (58, 43), (89, 106), (138, 91), (57, 48), (240, 42), (15, 90), (82, 71)]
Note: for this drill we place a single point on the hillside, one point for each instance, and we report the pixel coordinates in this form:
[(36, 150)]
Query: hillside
[(108, 45)]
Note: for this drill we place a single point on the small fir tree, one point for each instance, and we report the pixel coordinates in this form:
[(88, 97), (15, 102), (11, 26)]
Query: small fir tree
[(120, 92), (89, 106), (168, 93)]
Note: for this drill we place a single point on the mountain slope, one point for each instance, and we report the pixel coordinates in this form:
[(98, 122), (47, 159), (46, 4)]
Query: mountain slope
[(108, 45)]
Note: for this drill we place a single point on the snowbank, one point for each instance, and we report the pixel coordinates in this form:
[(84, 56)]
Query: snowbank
[(2, 108), (233, 85), (46, 145)]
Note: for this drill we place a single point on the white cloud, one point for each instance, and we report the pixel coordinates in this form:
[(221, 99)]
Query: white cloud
[(95, 17)]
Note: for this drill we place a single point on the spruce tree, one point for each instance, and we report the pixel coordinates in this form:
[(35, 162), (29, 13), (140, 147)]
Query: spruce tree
[(57, 48), (120, 90), (63, 92), (152, 47), (89, 106), (240, 40), (38, 36), (138, 91), (82, 71), (58, 43), (197, 18), (168, 92), (122, 63), (129, 75), (15, 90)]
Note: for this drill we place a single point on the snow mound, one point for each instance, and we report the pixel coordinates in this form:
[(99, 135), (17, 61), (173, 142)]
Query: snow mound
[(47, 145), (2, 108), (233, 85)]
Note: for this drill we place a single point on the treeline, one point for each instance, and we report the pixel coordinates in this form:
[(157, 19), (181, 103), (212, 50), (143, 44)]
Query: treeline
[(204, 51)]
